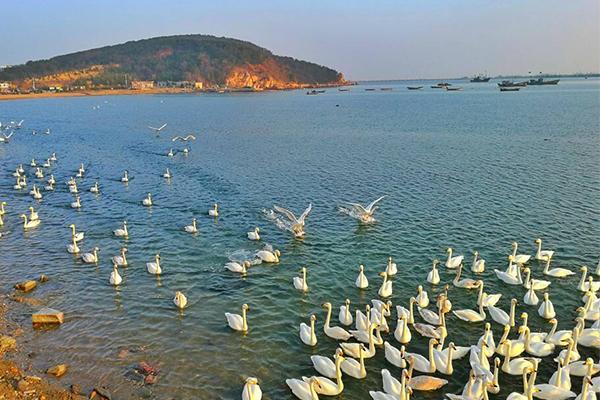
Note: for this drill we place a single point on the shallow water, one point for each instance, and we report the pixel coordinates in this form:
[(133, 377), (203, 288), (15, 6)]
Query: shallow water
[(474, 170)]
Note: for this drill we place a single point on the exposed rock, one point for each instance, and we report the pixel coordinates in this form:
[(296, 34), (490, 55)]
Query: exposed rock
[(27, 300), (75, 389), (101, 393), (43, 278), (48, 316), (23, 385), (58, 370), (7, 343), (26, 286)]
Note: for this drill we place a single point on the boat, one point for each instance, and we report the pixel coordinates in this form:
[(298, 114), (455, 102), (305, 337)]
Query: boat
[(509, 88), (441, 85), (369, 90), (541, 81), (480, 78), (320, 91), (453, 88), (343, 90), (385, 88), (512, 84), (414, 87), (312, 92)]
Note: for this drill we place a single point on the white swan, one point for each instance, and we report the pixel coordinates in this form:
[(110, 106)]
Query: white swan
[(584, 285), (443, 361), (240, 268), (324, 365), (345, 315), (73, 188), (538, 349), (354, 349), (121, 259), (517, 365), (2, 210), (530, 297), (334, 332), (76, 236), (478, 265), (251, 390), (556, 272), (148, 200), (238, 322), (538, 284), (453, 262), (394, 356), (546, 309), (154, 267), (326, 386), (167, 174), (361, 281), (501, 317), (122, 232), (191, 228), (385, 290), (91, 258), (268, 256), (95, 188), (488, 339), (73, 248), (115, 279), (422, 297), (430, 316), (171, 153), (542, 254), (470, 315), (365, 214), (180, 300), (391, 268), (300, 283), (254, 235), (487, 299), (355, 369), (33, 215), (214, 212), (408, 313), (125, 177), (76, 203), (422, 364), (561, 378), (519, 258), (433, 276), (464, 283), (296, 224), (509, 278), (307, 333), (559, 338), (303, 390), (584, 368)]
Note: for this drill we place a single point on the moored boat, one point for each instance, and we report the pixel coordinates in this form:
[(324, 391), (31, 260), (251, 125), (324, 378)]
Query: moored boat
[(541, 81), (480, 79), (509, 88), (453, 88), (414, 87)]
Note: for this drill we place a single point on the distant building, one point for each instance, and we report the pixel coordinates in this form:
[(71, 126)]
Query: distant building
[(56, 88), (142, 85), (199, 85), (5, 85)]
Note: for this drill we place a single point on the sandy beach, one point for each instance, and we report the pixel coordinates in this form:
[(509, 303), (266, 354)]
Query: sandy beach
[(108, 92)]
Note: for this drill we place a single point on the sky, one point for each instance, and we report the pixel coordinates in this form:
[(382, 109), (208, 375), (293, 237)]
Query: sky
[(364, 39)]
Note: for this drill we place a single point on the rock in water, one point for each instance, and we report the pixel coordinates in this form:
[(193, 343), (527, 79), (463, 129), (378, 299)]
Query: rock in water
[(43, 278), (26, 286), (58, 370), (48, 316), (7, 343)]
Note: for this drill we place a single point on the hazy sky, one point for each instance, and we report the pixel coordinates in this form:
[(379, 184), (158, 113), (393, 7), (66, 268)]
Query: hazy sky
[(364, 39)]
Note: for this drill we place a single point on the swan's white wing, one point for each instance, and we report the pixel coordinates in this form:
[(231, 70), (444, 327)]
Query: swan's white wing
[(358, 208), (369, 208), (192, 137), (162, 127), (176, 138), (290, 215), (305, 214)]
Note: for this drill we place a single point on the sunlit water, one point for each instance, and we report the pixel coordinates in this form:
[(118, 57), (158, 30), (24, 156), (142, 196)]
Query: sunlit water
[(474, 170)]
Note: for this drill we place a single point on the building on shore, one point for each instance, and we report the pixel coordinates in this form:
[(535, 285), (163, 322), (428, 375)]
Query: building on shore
[(142, 85)]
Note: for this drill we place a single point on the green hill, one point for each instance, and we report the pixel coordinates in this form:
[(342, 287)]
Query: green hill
[(211, 60)]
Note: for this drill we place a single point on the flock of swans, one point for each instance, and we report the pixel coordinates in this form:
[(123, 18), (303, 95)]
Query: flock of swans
[(488, 357)]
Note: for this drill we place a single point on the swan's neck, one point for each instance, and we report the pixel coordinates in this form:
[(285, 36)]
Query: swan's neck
[(513, 305), (328, 318), (553, 330), (304, 284), (449, 360), (583, 278), (312, 329), (481, 312), (411, 318), (507, 355), (584, 390), (431, 359), (480, 295), (539, 250), (457, 277), (245, 322), (338, 373), (495, 381), (547, 266), (347, 311), (514, 253), (449, 256), (194, 223)]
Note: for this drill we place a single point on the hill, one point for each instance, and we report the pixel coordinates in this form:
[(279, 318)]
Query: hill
[(214, 61)]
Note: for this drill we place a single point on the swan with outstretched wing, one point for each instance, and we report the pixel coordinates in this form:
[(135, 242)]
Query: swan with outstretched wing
[(364, 214), (297, 224), (157, 130), (5, 138)]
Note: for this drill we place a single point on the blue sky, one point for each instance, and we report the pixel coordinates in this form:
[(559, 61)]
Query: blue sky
[(364, 39)]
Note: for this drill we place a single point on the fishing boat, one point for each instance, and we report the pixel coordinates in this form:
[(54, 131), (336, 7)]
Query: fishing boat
[(509, 88), (369, 90), (512, 84), (312, 92), (441, 85), (480, 78), (385, 88), (414, 87), (453, 88), (343, 90), (541, 81)]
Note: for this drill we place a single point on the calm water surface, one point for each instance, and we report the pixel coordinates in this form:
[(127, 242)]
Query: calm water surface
[(474, 170)]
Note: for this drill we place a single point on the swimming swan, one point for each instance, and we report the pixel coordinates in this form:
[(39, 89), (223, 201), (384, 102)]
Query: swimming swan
[(121, 259), (546, 309), (251, 390), (238, 322), (520, 259), (148, 200), (538, 284), (433, 276), (91, 258), (180, 300), (297, 224), (334, 332), (453, 262), (254, 235), (214, 212), (385, 290), (361, 281), (307, 333), (122, 232), (115, 279), (191, 228), (556, 272), (300, 283), (240, 268), (345, 316), (268, 256), (464, 283), (303, 390), (391, 269), (540, 254), (478, 265), (470, 315), (154, 267), (365, 214)]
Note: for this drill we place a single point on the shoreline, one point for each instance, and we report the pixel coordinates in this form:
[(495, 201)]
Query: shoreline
[(131, 92)]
